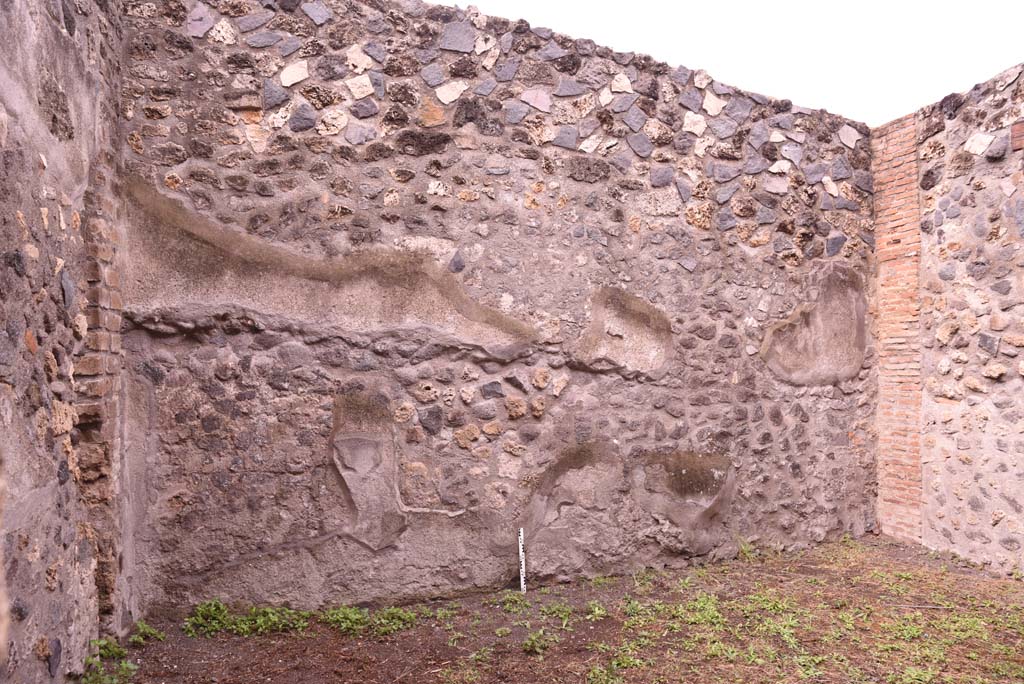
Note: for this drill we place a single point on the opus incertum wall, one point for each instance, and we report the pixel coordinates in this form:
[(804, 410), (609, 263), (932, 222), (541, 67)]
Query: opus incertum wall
[(362, 288), (951, 250), (61, 541), (404, 279)]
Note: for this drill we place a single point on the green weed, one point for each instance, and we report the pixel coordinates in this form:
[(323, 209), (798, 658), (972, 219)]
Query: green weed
[(513, 602), (913, 675), (537, 643), (561, 611), (267, 620), (391, 620), (208, 618), (108, 665), (604, 675), (595, 612), (346, 619), (144, 634)]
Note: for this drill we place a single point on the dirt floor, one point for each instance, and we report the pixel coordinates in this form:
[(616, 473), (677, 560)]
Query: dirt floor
[(852, 611)]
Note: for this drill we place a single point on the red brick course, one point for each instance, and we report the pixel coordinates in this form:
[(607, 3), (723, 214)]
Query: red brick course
[(1017, 136), (898, 253), (97, 378)]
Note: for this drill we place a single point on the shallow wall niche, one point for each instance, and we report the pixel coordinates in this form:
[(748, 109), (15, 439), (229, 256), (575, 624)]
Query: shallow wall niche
[(625, 334), (365, 454), (677, 500), (822, 342)]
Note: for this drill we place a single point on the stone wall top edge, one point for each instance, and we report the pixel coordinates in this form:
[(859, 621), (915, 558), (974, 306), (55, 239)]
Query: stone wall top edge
[(1001, 80), (417, 8)]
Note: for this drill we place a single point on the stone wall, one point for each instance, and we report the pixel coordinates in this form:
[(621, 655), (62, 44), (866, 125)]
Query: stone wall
[(318, 302), (404, 278), (972, 298), (58, 78)]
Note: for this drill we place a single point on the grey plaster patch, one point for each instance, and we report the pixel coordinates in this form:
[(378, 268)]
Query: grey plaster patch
[(822, 342)]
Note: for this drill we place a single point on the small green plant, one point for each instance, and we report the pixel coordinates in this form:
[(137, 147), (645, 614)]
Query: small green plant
[(747, 551), (601, 581), (632, 607), (482, 655), (392, 620), (703, 610), (913, 675), (143, 634), (642, 641), (98, 672), (767, 601), (464, 673), (502, 632), (626, 661), (108, 665), (346, 619), (108, 649), (267, 620), (445, 614), (962, 627), (212, 617), (906, 627), (718, 649), (538, 642), (604, 675), (784, 627), (643, 579), (562, 611), (755, 657), (640, 614), (807, 665), (513, 602), (208, 618), (595, 612)]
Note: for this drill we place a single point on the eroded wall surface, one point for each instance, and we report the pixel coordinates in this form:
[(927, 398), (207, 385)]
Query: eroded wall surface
[(58, 71), (404, 278), (971, 160)]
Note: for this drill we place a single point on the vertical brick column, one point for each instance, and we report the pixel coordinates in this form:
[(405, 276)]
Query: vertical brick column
[(97, 386), (898, 240), (96, 371)]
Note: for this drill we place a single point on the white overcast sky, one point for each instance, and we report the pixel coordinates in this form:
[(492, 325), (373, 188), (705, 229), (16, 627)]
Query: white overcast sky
[(869, 60)]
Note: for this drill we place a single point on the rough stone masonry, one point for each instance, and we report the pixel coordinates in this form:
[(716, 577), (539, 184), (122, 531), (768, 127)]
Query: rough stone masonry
[(401, 280), (312, 303)]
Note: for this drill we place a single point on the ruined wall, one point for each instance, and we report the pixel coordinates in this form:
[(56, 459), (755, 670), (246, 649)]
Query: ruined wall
[(971, 162), (58, 80), (404, 278)]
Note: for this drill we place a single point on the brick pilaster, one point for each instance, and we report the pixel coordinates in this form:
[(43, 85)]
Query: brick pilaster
[(97, 382), (898, 414)]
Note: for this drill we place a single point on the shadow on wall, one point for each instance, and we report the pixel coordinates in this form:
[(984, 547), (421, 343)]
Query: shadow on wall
[(823, 342)]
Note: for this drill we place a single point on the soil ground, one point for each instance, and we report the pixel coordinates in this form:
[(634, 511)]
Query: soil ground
[(869, 610)]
